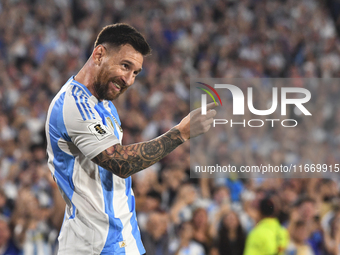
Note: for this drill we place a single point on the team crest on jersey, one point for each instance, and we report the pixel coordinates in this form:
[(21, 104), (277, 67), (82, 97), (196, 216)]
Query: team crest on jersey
[(122, 244), (117, 124), (108, 120), (99, 130)]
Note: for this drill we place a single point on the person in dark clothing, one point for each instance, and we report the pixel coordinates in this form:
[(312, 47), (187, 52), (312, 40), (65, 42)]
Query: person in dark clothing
[(231, 236), (156, 238), (7, 246)]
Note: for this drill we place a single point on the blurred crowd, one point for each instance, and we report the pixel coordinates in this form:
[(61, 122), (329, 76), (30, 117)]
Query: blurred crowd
[(43, 43)]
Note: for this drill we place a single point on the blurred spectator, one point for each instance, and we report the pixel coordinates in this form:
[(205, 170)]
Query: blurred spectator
[(156, 238), (182, 209), (288, 196), (268, 237), (219, 206), (7, 246), (6, 205), (298, 242), (220, 198), (151, 203), (327, 191), (231, 237), (304, 210), (185, 243), (201, 229), (332, 238)]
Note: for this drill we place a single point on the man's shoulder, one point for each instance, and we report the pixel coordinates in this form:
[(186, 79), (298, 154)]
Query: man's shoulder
[(74, 90), (73, 97)]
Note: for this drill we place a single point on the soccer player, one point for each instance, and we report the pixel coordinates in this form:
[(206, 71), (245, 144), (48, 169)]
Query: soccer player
[(88, 162)]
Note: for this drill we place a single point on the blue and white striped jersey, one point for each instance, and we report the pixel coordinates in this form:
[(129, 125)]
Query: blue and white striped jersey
[(100, 215)]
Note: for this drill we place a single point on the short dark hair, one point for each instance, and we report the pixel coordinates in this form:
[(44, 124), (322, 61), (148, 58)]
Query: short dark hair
[(155, 195), (266, 207), (120, 34)]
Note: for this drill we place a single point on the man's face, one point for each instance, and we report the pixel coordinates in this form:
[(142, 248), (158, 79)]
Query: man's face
[(117, 72)]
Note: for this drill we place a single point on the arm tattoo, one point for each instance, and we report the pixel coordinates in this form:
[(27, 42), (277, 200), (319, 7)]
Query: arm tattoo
[(127, 160)]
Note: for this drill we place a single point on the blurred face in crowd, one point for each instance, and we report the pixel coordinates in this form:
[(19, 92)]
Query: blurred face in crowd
[(200, 217), (157, 225), (221, 196), (328, 191), (187, 193), (151, 204), (117, 71), (307, 210), (231, 221), (288, 196), (187, 231), (301, 233), (4, 233)]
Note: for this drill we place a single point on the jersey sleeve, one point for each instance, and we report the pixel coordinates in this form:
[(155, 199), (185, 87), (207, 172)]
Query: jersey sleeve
[(85, 127)]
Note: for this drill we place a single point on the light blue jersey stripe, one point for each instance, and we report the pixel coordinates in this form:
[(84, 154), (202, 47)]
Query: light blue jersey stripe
[(100, 108), (89, 107), (83, 98), (81, 86), (115, 228), (114, 112), (63, 162), (131, 199), (77, 102), (133, 221), (84, 106)]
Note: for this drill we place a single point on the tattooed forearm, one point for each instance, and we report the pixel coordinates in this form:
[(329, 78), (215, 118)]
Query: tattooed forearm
[(127, 160)]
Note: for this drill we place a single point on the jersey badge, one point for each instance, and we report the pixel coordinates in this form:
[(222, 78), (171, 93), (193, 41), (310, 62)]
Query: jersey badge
[(99, 130)]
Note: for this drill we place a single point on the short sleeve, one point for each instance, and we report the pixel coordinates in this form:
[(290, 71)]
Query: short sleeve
[(85, 126)]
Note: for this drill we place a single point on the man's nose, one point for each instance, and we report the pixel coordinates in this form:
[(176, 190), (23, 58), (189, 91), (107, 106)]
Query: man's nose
[(129, 78)]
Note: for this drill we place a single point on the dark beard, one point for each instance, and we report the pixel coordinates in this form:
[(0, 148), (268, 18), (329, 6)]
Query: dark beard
[(101, 87), (101, 90)]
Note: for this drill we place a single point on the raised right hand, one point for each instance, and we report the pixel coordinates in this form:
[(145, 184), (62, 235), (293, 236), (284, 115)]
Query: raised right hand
[(195, 124)]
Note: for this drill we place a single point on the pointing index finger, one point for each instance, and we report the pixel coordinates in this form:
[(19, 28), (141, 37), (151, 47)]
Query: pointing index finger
[(212, 105)]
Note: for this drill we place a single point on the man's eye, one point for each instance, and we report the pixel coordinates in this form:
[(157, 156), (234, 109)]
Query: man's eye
[(125, 66)]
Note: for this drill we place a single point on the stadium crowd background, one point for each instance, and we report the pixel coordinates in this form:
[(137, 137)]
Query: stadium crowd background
[(43, 43)]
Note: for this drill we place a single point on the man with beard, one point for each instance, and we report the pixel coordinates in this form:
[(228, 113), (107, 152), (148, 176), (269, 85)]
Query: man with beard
[(88, 162)]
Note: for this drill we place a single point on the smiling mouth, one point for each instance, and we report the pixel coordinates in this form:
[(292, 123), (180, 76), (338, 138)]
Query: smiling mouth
[(116, 86)]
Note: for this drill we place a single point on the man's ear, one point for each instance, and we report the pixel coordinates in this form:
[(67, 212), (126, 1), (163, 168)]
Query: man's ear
[(98, 54)]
